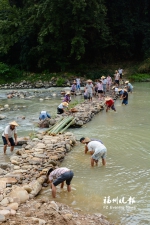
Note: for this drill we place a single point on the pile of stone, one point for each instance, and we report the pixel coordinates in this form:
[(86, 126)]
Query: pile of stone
[(46, 212), (83, 114), (41, 84), (23, 177), (86, 111)]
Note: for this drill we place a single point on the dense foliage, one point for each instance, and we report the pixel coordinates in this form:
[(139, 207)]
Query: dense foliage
[(56, 35)]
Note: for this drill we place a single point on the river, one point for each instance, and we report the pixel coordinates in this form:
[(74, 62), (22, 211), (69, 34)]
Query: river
[(121, 190)]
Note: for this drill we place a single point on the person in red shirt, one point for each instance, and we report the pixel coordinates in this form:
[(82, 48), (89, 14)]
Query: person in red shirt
[(109, 102)]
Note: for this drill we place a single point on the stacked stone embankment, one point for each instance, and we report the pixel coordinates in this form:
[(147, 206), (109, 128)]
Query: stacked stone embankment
[(23, 177)]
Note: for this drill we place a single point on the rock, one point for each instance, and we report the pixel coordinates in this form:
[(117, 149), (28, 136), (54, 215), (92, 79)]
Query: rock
[(79, 123), (27, 188), (40, 155), (4, 212), (2, 218), (1, 197), (3, 172), (6, 106), (4, 202), (19, 171), (68, 147), (20, 193), (2, 117), (5, 166), (12, 212), (52, 122), (13, 205), (40, 145), (67, 216), (2, 184), (16, 167), (40, 221), (36, 187)]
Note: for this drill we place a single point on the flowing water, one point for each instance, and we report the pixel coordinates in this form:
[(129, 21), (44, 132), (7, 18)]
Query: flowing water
[(121, 190)]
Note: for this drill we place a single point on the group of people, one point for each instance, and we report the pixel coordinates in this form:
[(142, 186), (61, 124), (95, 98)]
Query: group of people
[(96, 147), (60, 175), (75, 86)]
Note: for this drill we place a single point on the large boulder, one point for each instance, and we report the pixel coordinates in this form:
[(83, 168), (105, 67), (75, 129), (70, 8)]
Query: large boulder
[(19, 193), (2, 117)]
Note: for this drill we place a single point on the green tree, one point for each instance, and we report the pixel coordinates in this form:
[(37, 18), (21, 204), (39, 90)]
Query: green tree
[(53, 32)]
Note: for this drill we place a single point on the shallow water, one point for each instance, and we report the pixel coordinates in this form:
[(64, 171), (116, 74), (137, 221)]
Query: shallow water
[(124, 182)]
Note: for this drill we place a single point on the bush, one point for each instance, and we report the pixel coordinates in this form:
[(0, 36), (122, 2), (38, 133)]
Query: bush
[(139, 77), (9, 74), (60, 81), (145, 66)]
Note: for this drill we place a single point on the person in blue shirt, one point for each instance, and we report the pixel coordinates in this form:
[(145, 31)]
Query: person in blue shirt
[(44, 115), (129, 86)]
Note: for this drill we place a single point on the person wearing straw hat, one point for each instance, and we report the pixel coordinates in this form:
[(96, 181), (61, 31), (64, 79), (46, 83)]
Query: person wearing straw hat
[(67, 97), (125, 97), (97, 150), (73, 88), (109, 82), (8, 134), (84, 140), (61, 107), (129, 86), (109, 102), (89, 88), (58, 176), (104, 82), (117, 77)]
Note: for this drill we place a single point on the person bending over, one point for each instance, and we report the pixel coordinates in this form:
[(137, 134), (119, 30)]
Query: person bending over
[(59, 176)]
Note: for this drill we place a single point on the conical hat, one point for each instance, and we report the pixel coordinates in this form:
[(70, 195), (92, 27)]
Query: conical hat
[(65, 104), (127, 82), (107, 98), (89, 81), (103, 77), (86, 140), (14, 123), (68, 93)]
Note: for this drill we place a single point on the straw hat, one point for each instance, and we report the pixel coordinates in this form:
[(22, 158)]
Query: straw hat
[(113, 87), (127, 82), (107, 98), (14, 123), (89, 81), (103, 77), (119, 89), (68, 93), (65, 104), (86, 140)]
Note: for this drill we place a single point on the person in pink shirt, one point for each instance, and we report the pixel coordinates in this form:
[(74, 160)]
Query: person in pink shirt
[(117, 77), (58, 176), (109, 82), (100, 89)]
